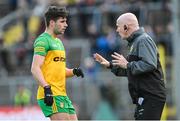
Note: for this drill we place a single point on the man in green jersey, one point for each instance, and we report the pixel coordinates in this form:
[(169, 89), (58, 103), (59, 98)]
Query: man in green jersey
[(49, 67)]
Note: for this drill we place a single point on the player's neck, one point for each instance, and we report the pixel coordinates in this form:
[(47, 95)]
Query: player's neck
[(50, 32)]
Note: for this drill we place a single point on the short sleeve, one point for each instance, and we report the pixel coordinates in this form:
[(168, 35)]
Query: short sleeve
[(41, 46)]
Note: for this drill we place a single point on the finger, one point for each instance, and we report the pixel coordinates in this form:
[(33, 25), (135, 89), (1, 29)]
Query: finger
[(98, 60), (115, 57), (99, 57), (116, 64), (96, 57), (117, 54), (122, 57), (98, 54), (115, 61), (103, 63)]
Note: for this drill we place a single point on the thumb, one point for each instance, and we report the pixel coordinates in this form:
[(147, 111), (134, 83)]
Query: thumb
[(104, 63)]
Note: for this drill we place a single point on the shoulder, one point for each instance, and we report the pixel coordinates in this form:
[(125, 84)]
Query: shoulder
[(147, 42), (145, 39), (41, 40)]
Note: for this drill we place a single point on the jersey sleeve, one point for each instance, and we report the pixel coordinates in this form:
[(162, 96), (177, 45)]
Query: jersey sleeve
[(41, 46)]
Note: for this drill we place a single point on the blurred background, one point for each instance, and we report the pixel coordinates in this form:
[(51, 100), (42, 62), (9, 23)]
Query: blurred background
[(92, 28)]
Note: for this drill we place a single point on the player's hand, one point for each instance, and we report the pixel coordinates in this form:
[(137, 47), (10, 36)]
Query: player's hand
[(101, 60), (78, 72), (48, 96)]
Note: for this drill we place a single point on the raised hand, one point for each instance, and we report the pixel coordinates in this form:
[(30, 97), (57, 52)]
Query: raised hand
[(101, 60), (119, 60)]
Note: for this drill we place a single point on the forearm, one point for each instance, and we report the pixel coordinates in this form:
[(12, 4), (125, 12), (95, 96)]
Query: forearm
[(116, 70), (139, 67), (69, 72), (37, 74), (119, 71)]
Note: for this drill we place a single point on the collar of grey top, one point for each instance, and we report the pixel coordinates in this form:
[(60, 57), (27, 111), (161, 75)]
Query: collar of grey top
[(135, 34)]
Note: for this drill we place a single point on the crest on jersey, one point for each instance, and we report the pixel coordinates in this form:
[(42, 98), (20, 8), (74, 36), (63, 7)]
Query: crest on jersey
[(131, 48), (61, 105)]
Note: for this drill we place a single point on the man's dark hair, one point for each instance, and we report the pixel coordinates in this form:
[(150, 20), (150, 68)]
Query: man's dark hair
[(54, 12)]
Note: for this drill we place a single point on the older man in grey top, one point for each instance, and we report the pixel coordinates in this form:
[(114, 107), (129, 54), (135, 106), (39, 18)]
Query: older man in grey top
[(142, 68)]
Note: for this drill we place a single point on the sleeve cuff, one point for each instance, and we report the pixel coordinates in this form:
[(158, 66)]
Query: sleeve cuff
[(110, 65), (129, 65)]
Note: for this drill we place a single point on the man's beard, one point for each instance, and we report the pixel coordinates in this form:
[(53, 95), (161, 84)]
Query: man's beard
[(56, 32)]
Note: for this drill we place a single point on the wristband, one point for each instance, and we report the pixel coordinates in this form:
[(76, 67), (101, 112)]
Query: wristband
[(110, 65)]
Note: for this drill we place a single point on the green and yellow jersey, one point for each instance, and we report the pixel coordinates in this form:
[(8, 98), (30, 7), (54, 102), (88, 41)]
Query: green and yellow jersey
[(54, 65)]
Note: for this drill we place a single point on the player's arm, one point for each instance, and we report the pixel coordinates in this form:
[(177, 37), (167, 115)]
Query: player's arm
[(40, 50), (69, 72), (75, 71), (41, 47), (37, 62)]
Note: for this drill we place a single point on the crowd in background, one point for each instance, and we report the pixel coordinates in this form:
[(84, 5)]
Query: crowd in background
[(94, 20)]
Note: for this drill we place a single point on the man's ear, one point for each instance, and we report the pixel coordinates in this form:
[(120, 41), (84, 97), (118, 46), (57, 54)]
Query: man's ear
[(125, 28), (51, 22)]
